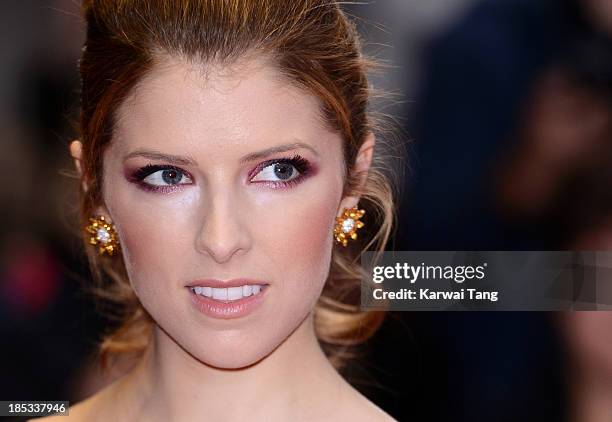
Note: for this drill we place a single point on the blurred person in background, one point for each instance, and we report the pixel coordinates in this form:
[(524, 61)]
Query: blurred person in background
[(559, 181), (565, 139), (476, 100), (479, 77), (579, 217)]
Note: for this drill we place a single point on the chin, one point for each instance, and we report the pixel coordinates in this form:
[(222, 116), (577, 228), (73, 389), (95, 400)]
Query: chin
[(236, 355), (231, 344), (230, 350), (236, 361)]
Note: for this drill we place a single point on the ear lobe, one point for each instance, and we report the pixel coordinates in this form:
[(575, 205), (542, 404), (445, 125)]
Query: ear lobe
[(101, 210), (76, 151)]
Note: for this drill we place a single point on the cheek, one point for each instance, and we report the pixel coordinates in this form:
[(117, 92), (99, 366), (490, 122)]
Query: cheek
[(152, 235), (298, 239), (312, 235)]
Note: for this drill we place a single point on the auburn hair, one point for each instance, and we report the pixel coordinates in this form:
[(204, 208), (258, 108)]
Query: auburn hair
[(315, 46)]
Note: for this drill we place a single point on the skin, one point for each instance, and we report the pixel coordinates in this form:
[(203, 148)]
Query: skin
[(267, 365), (600, 14), (566, 128), (587, 334), (590, 364)]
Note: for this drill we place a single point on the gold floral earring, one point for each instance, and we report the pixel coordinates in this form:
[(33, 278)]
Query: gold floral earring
[(103, 235), (348, 224)]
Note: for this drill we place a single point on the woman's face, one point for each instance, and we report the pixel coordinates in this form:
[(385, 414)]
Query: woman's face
[(219, 177)]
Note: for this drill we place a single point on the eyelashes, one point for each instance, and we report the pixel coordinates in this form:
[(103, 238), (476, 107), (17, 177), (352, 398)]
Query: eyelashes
[(162, 178), (287, 171), (276, 173)]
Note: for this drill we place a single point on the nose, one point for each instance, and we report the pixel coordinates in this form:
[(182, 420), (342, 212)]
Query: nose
[(223, 232)]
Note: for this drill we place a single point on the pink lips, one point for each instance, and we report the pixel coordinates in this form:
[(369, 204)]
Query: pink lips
[(218, 306), (221, 284)]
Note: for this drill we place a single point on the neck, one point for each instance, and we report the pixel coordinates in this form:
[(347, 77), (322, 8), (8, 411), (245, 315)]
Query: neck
[(170, 384)]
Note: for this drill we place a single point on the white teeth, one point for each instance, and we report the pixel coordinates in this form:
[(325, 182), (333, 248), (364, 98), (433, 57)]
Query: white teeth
[(229, 293), (219, 294), (234, 293)]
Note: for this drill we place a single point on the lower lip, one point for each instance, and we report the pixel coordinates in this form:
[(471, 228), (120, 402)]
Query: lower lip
[(227, 310)]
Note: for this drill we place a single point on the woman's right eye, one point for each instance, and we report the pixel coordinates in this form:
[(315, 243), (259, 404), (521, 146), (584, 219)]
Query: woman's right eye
[(158, 177), (167, 177)]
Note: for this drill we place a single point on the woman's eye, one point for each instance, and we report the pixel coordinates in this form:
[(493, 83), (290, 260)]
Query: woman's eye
[(277, 172), (167, 177)]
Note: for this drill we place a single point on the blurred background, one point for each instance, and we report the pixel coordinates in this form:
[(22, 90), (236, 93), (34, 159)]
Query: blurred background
[(506, 109)]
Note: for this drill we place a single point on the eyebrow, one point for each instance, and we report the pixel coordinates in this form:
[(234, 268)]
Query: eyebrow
[(276, 149), (180, 160), (156, 155)]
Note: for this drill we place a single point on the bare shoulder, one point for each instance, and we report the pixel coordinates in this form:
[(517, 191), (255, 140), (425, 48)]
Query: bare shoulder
[(76, 413), (358, 408), (367, 411), (88, 410)]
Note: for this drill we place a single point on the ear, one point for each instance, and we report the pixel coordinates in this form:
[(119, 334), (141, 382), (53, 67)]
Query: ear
[(76, 151), (363, 162)]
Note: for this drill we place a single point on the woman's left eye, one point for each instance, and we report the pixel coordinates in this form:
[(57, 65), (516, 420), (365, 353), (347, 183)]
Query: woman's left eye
[(277, 172)]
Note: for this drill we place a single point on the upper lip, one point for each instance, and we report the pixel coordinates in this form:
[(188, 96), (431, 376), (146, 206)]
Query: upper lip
[(224, 283)]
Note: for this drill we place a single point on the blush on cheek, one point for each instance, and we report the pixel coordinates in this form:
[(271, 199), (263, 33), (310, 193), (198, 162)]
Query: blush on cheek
[(144, 244), (316, 231), (309, 241)]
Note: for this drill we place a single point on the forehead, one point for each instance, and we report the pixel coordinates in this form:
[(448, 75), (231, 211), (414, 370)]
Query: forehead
[(222, 109)]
